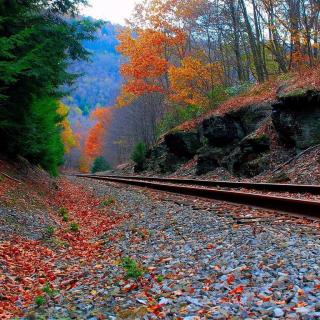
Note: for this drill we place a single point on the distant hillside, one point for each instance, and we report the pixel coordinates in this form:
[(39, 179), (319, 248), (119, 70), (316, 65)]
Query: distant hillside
[(101, 80)]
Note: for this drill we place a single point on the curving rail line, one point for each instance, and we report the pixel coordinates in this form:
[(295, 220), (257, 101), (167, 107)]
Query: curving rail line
[(180, 186), (276, 187)]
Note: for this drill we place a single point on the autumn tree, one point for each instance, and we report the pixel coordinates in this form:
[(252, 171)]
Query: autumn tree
[(147, 66), (94, 142), (191, 82), (187, 51), (69, 139)]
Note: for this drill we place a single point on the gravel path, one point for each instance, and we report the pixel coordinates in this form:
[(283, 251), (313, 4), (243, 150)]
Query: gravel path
[(197, 263)]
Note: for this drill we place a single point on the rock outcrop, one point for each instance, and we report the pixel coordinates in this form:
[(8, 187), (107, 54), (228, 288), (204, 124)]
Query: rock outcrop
[(230, 142), (296, 118), (234, 141), (175, 149)]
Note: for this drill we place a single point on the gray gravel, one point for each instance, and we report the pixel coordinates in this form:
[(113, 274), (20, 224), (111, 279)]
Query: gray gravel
[(31, 225), (197, 265)]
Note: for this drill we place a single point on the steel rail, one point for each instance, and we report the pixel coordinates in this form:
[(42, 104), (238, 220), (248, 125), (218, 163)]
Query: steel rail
[(283, 204), (277, 187)]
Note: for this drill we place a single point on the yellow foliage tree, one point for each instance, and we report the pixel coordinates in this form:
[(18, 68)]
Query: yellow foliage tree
[(68, 137), (84, 164), (192, 81)]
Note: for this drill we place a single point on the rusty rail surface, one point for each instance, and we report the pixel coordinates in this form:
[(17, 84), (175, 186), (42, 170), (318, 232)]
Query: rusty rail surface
[(277, 203), (276, 187)]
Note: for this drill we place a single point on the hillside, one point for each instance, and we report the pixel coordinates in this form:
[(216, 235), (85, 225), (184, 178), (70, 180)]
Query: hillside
[(100, 81), (248, 136)]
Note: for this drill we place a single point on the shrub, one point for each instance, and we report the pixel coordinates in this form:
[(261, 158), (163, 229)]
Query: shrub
[(74, 227), (39, 300), (218, 95), (100, 164), (238, 89), (108, 202), (139, 153), (50, 231), (39, 139), (63, 211), (132, 268), (49, 291), (177, 116)]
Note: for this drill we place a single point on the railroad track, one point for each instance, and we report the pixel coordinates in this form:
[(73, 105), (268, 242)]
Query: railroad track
[(203, 189)]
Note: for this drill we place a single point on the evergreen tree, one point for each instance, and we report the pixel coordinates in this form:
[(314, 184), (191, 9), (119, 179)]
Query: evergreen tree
[(100, 164), (139, 154), (36, 44)]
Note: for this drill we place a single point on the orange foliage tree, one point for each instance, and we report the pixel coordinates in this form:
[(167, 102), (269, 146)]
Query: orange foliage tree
[(159, 54), (193, 80), (148, 53), (93, 146), (146, 61)]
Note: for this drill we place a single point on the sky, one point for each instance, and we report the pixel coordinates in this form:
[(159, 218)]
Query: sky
[(115, 11)]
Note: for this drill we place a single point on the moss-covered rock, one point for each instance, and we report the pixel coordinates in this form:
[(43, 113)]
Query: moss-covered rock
[(231, 140), (210, 159), (159, 159)]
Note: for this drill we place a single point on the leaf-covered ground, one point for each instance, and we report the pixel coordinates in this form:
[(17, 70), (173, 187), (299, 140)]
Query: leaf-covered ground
[(116, 252), (42, 256)]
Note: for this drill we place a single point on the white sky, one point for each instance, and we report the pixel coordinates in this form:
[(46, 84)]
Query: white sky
[(115, 11)]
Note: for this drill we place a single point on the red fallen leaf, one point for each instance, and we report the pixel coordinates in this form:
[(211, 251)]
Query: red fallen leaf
[(210, 246), (69, 284), (130, 288), (202, 312), (224, 300), (237, 290), (155, 309), (230, 279), (265, 299), (317, 286), (191, 290)]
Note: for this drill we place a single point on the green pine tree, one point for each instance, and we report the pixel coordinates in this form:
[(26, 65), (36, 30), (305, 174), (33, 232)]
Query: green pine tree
[(100, 164), (139, 154), (36, 45)]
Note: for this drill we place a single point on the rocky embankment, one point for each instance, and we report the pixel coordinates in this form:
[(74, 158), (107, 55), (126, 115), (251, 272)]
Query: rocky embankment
[(245, 140)]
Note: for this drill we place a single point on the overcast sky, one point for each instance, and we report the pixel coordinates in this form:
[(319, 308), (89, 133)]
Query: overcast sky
[(115, 11)]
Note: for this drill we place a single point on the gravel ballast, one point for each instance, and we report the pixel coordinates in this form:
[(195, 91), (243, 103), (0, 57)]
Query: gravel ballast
[(196, 263)]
